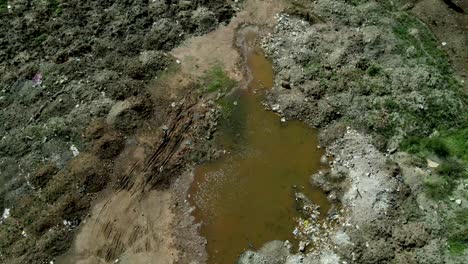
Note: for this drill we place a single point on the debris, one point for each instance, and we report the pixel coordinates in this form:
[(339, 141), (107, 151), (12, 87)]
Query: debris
[(37, 79), (302, 246)]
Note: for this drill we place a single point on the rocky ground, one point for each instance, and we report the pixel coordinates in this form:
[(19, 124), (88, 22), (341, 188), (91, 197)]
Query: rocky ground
[(378, 83)]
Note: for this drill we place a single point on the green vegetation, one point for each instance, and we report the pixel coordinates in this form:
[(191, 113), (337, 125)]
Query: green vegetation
[(3, 5), (41, 38), (216, 79), (414, 33), (374, 70), (453, 143), (458, 232), (56, 7), (452, 148)]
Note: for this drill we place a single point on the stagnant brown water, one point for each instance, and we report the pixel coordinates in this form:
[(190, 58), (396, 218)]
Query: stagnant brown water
[(246, 198)]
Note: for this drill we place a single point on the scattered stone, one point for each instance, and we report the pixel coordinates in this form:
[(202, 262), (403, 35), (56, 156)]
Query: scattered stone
[(283, 119), (458, 201)]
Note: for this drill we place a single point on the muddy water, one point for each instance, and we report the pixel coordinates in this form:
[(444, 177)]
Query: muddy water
[(246, 198)]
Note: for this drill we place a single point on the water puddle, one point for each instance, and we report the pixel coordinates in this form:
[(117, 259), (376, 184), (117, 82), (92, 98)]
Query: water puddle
[(246, 198)]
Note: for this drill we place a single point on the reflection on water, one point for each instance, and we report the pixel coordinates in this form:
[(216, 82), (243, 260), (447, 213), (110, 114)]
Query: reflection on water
[(246, 198)]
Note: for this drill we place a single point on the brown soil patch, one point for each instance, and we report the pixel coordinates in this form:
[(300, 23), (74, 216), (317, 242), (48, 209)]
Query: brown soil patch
[(124, 228), (217, 48)]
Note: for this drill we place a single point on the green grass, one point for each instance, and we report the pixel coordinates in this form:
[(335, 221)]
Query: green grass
[(3, 5), (374, 70), (451, 148), (458, 232), (215, 80), (41, 38), (56, 7), (414, 33), (450, 143)]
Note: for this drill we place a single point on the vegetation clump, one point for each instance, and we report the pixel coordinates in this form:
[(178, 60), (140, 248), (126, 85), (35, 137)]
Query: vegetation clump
[(216, 80)]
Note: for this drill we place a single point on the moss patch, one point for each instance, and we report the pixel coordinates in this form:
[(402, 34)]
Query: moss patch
[(216, 79)]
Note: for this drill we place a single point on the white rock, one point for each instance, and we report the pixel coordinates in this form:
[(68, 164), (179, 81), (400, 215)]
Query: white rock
[(444, 43), (432, 164), (283, 119), (458, 201)]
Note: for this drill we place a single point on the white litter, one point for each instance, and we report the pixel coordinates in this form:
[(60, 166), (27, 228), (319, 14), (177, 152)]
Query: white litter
[(74, 150), (5, 215)]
